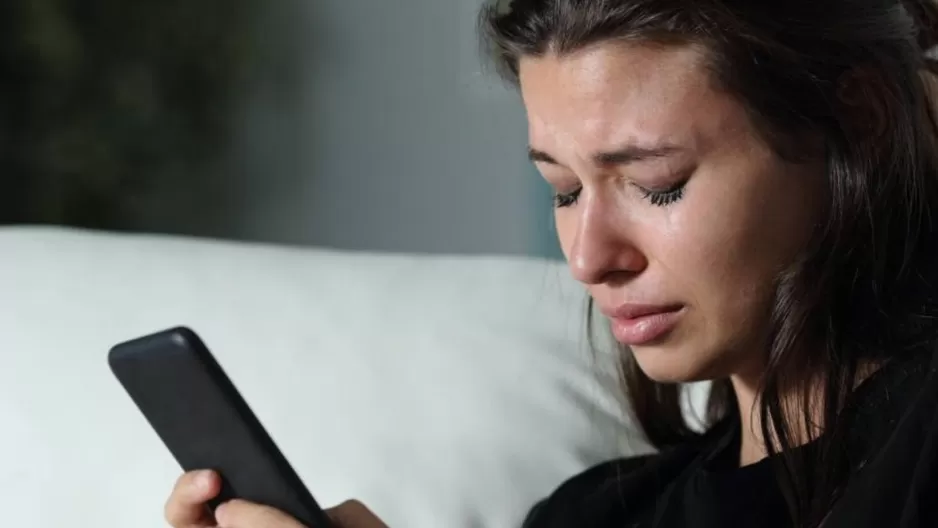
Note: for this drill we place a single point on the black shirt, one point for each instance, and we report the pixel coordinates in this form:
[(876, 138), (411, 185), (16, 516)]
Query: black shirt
[(892, 444)]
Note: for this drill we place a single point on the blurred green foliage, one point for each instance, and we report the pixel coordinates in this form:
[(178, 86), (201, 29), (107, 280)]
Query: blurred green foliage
[(100, 100)]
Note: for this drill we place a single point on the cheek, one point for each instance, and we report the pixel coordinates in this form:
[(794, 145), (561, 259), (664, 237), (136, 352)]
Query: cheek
[(730, 239)]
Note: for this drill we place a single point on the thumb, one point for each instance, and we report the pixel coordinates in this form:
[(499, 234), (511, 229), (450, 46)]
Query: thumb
[(354, 514), (243, 514)]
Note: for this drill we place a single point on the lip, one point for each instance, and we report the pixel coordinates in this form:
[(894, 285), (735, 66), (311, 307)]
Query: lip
[(641, 324)]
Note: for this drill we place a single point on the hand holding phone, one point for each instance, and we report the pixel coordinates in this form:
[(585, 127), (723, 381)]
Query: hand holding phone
[(205, 423), (186, 507)]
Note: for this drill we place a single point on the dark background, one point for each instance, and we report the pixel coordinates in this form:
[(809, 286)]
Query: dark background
[(359, 124)]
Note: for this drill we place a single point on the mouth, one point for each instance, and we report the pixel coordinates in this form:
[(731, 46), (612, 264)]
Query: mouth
[(637, 325)]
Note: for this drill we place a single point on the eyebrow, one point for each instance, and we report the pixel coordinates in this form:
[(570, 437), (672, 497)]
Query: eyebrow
[(624, 156)]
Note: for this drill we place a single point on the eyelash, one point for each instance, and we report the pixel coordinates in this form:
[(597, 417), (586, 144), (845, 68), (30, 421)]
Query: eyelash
[(566, 199), (666, 197), (657, 198)]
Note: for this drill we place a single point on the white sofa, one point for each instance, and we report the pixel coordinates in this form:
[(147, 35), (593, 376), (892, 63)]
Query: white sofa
[(442, 391)]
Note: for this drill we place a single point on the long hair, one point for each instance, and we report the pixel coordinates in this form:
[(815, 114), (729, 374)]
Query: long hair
[(864, 288)]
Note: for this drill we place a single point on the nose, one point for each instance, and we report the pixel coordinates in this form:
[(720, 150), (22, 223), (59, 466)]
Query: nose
[(602, 249)]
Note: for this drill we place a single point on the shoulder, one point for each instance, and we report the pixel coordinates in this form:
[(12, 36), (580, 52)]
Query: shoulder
[(572, 499), (609, 493), (906, 386), (893, 447), (903, 390)]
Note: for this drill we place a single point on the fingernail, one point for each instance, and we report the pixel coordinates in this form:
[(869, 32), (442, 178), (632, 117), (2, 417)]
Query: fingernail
[(221, 517), (203, 479)]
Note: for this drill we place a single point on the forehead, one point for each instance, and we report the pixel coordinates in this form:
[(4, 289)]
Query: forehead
[(614, 92)]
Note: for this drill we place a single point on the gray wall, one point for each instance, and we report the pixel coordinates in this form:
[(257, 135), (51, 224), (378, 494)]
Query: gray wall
[(375, 128)]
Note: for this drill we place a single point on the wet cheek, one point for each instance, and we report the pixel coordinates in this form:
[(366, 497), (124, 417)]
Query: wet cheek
[(703, 253), (693, 244)]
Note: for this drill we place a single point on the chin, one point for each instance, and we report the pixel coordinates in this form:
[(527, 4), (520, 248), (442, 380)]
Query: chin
[(675, 364)]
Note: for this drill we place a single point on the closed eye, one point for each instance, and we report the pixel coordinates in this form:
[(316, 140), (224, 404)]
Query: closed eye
[(666, 197), (567, 199)]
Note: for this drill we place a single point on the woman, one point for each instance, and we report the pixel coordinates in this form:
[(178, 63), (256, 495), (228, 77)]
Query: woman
[(746, 189)]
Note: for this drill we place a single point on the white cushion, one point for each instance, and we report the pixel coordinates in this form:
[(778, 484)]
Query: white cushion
[(442, 391)]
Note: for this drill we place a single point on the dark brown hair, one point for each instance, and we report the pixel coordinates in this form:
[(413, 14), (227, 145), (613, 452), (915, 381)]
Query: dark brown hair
[(864, 289)]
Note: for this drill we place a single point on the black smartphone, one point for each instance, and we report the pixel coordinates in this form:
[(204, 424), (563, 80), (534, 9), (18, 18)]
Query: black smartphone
[(205, 423)]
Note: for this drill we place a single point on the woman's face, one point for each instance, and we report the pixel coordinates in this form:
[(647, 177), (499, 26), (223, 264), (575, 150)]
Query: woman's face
[(670, 208)]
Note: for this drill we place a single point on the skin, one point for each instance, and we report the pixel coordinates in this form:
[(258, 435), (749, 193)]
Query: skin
[(715, 249), (743, 216), (186, 509)]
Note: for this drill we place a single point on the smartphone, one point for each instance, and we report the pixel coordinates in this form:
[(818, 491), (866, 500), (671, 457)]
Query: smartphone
[(205, 423)]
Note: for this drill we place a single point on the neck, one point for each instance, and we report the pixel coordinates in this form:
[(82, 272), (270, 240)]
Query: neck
[(751, 446)]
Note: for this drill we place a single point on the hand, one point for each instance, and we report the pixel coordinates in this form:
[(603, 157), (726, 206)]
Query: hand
[(186, 509)]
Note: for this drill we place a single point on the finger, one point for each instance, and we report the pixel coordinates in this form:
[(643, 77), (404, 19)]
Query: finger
[(186, 505), (354, 514), (243, 514)]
